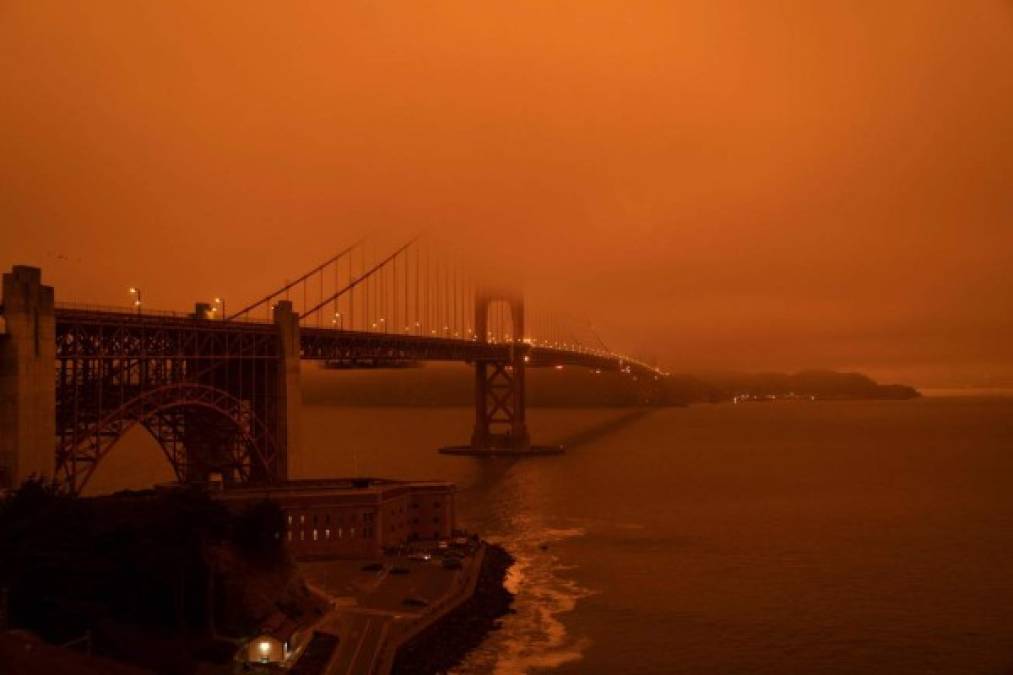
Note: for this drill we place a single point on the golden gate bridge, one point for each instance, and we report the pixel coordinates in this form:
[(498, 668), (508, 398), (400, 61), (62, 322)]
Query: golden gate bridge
[(219, 389)]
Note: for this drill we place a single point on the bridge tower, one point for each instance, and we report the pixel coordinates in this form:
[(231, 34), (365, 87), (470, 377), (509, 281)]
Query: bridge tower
[(500, 409), (27, 378)]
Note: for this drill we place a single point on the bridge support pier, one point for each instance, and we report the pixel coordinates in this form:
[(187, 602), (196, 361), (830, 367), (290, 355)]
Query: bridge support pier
[(288, 418), (500, 411), (501, 426), (27, 378)]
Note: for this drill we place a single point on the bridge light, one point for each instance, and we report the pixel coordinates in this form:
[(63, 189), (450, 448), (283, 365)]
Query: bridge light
[(136, 292)]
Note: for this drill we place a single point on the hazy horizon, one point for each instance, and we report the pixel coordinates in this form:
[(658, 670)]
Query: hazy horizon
[(721, 185)]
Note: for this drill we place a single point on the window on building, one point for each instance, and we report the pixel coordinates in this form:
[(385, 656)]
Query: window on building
[(302, 535), (290, 535), (351, 532), (290, 519), (340, 533), (327, 534), (302, 519), (315, 535)]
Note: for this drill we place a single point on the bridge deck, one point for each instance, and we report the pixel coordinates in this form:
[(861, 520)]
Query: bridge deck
[(108, 333)]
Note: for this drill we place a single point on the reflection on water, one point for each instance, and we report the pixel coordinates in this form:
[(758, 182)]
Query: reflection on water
[(831, 538)]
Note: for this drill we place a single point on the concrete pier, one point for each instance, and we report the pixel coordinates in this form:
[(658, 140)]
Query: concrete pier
[(289, 410), (27, 378)]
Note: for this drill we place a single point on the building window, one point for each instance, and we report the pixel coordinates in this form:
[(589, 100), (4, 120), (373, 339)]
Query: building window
[(290, 535), (302, 519), (351, 532), (316, 535), (302, 535), (327, 534), (290, 519), (340, 533)]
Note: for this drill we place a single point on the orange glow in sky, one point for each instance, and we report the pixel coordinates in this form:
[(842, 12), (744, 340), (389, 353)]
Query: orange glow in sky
[(724, 185)]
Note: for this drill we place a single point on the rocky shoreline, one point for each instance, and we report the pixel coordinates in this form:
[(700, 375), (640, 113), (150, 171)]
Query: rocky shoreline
[(444, 644)]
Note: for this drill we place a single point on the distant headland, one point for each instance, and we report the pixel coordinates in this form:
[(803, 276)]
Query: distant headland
[(574, 387)]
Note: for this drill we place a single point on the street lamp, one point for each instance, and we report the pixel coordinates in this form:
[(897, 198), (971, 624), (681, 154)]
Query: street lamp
[(339, 320), (136, 292), (221, 303), (384, 322)]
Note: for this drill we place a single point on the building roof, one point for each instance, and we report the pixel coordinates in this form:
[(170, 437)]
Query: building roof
[(280, 626), (365, 488)]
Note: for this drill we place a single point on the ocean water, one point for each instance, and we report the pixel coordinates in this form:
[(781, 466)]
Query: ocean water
[(789, 537)]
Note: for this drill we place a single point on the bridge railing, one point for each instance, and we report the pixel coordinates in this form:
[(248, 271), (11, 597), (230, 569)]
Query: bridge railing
[(133, 311)]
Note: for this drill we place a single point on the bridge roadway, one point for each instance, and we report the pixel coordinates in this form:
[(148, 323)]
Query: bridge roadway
[(111, 333)]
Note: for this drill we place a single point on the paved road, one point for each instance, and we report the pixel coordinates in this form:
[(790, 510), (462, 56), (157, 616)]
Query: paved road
[(361, 644)]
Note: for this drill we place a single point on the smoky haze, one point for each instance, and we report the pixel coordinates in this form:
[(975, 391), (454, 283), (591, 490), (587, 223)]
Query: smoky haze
[(721, 185)]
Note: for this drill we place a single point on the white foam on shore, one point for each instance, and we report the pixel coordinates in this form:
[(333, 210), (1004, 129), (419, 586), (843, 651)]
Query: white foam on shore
[(534, 635)]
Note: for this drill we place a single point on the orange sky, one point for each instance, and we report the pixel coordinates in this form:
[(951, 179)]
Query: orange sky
[(742, 185)]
